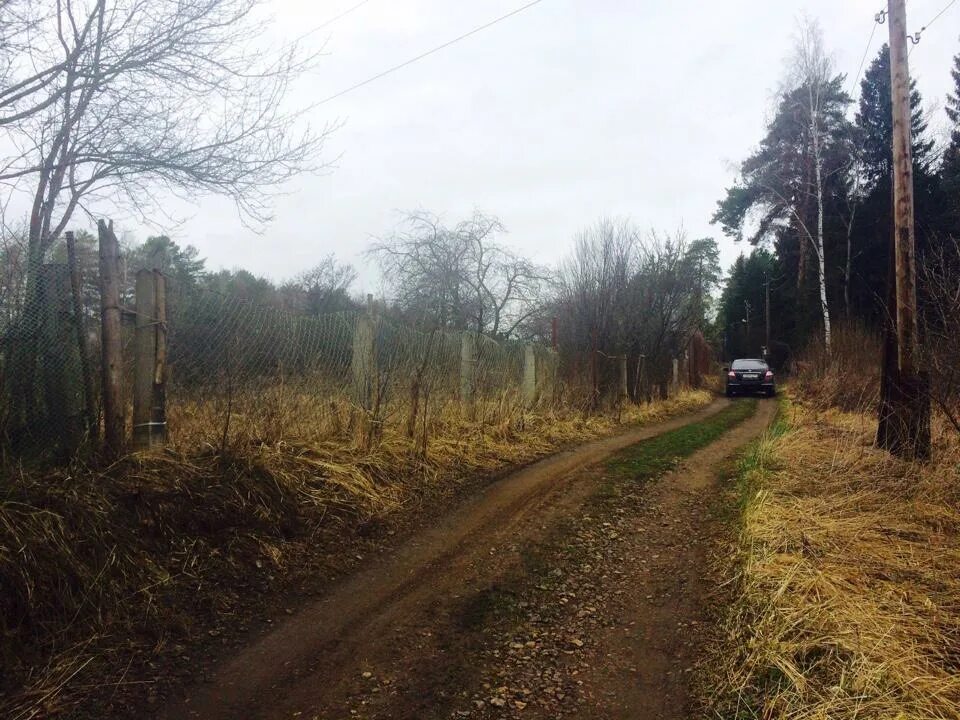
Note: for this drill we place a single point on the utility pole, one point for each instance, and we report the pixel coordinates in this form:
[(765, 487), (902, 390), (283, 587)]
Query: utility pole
[(908, 400), (904, 243), (766, 288), (746, 324)]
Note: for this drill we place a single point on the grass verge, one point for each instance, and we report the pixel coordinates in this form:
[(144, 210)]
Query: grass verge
[(846, 600)]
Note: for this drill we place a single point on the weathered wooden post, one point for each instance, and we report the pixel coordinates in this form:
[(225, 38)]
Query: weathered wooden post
[(468, 374), (59, 360), (638, 384), (111, 347), (594, 375), (76, 285), (149, 386), (624, 387), (529, 375), (552, 370), (675, 385)]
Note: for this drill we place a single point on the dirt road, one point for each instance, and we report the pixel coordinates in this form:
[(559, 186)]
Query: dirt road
[(400, 639)]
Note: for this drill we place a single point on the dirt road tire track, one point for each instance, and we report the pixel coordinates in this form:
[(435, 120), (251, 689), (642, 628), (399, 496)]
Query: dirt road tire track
[(315, 660)]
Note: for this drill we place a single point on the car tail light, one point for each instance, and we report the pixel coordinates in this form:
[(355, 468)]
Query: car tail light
[(769, 373), (731, 374)]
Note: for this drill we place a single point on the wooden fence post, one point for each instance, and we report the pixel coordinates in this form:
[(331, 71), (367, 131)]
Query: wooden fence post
[(553, 374), (676, 376), (110, 340), (76, 285), (624, 387), (594, 376), (149, 387), (529, 375), (468, 374)]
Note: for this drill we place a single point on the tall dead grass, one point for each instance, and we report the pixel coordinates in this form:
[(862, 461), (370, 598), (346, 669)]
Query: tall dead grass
[(848, 598), (848, 378), (104, 571)]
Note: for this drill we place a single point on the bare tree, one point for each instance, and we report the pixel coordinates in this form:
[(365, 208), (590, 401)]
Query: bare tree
[(13, 255), (621, 293), (324, 288), (458, 277), (120, 101)]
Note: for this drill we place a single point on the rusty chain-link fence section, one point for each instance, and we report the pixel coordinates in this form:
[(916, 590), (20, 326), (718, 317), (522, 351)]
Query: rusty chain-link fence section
[(237, 369)]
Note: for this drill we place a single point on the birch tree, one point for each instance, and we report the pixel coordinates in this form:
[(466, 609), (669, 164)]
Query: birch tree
[(812, 71)]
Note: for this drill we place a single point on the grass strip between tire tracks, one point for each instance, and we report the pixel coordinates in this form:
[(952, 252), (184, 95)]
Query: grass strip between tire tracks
[(502, 606), (652, 458)]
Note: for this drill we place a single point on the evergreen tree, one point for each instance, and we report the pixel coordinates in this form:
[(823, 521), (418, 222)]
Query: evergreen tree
[(871, 233), (951, 160), (740, 319), (183, 266), (875, 120)]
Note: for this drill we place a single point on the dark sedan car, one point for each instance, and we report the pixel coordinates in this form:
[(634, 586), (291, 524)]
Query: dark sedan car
[(750, 376)]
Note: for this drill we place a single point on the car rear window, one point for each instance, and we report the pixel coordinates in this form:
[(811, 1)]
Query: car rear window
[(749, 365)]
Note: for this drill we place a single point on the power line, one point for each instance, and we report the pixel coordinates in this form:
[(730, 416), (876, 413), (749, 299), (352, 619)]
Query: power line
[(937, 16), (915, 38), (877, 20), (421, 56), (329, 22)]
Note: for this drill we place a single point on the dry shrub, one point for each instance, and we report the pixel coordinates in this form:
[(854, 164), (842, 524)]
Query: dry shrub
[(848, 601), (849, 377), (99, 568)]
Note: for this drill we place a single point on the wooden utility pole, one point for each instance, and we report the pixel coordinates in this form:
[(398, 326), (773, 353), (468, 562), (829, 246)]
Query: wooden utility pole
[(110, 340), (904, 242), (907, 405), (766, 292)]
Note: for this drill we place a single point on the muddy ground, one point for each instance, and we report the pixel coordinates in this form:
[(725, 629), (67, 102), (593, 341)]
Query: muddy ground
[(555, 591)]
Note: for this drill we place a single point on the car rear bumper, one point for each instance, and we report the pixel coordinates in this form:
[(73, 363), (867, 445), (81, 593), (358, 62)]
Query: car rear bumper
[(741, 386)]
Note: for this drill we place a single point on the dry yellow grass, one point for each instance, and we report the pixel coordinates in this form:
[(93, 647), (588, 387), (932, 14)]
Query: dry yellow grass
[(848, 598), (100, 567)]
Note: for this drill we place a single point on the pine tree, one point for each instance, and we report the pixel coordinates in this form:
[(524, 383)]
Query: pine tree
[(951, 158), (953, 107), (875, 120)]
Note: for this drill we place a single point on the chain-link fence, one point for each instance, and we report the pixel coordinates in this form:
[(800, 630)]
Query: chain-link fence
[(199, 369), (47, 387), (241, 370)]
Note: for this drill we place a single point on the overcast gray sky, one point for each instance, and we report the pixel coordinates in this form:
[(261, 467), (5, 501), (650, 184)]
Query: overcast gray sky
[(561, 114)]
